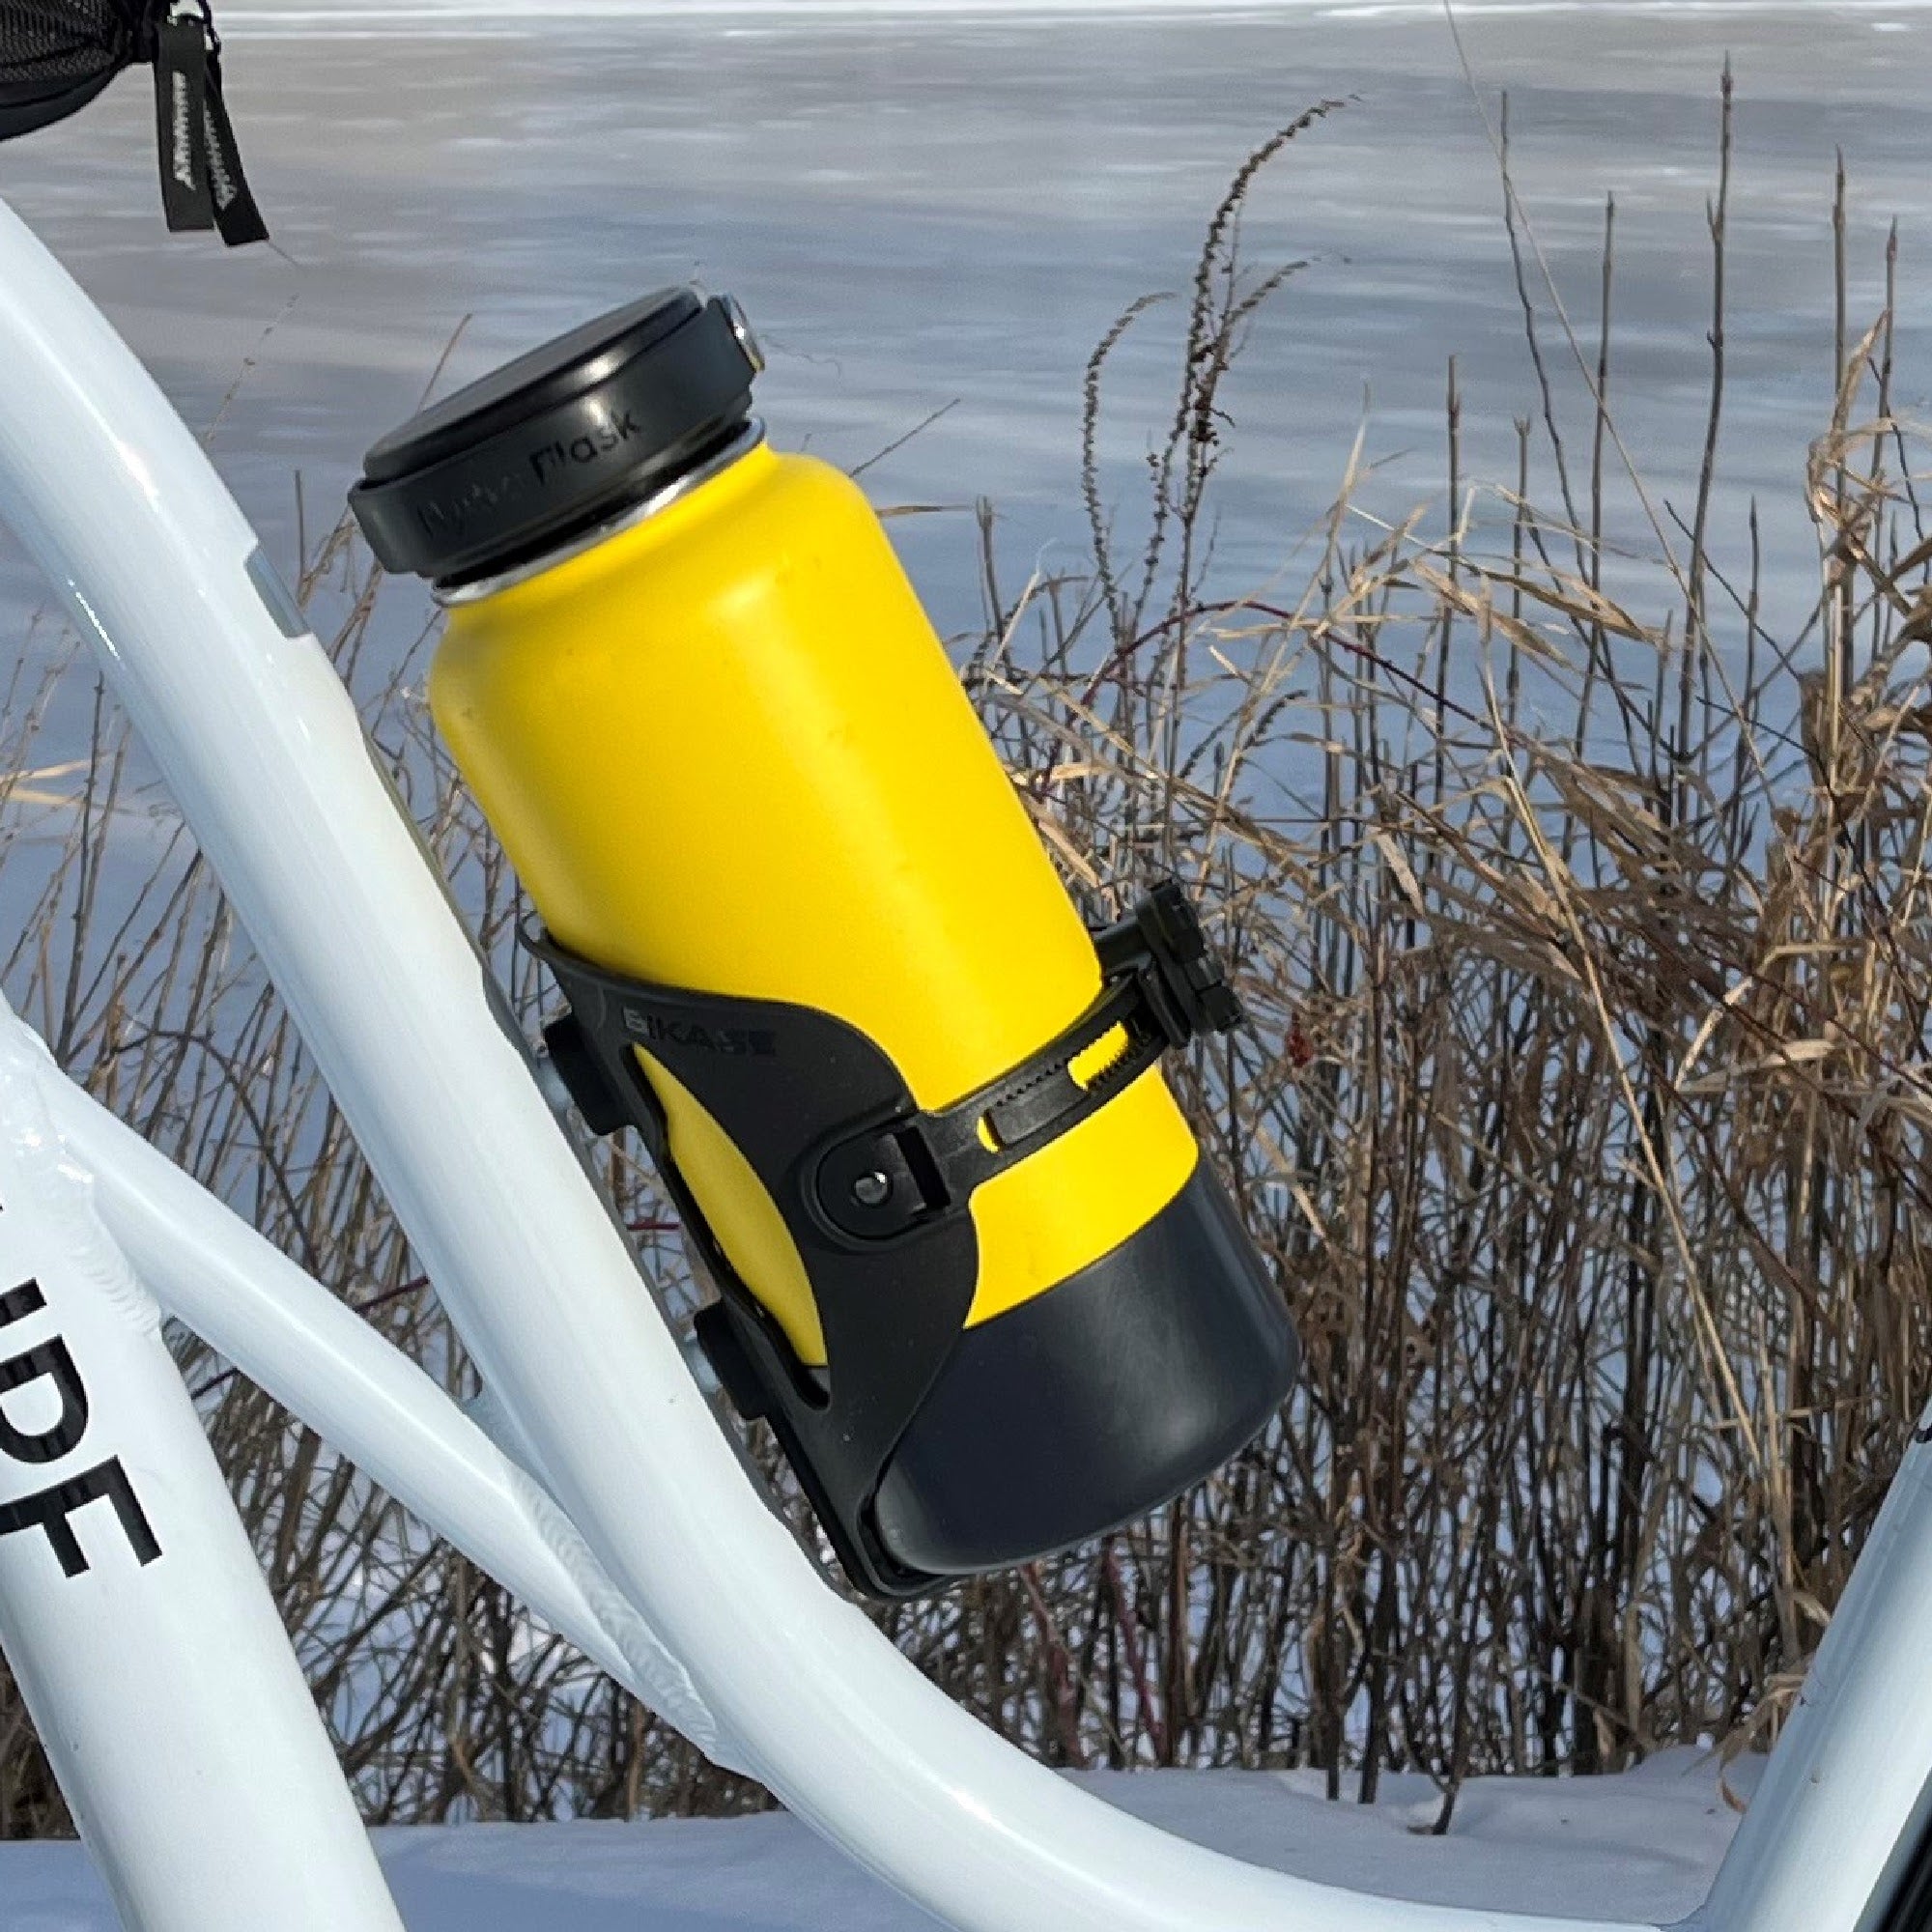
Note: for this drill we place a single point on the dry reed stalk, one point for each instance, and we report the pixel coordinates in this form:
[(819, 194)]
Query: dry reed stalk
[(1585, 1114)]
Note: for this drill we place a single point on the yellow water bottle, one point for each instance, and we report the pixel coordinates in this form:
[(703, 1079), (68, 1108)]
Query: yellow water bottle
[(969, 1262)]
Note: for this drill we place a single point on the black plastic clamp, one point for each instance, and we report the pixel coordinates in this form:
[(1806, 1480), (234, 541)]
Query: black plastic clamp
[(873, 1191), (1161, 986)]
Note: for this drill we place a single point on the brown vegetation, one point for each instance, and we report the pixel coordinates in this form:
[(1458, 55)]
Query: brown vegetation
[(1585, 1114)]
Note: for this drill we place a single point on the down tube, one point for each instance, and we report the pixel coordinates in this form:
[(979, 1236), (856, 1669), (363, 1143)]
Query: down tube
[(265, 757), (324, 1364)]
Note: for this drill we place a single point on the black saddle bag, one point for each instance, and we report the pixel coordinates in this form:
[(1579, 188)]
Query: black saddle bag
[(57, 55)]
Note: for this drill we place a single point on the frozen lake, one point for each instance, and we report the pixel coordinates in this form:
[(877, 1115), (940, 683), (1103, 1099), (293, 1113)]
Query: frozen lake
[(946, 206)]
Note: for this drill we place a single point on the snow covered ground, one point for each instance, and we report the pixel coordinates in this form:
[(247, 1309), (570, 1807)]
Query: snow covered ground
[(1649, 1841)]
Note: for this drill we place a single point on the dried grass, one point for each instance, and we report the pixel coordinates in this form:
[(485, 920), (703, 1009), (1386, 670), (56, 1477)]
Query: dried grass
[(1584, 923)]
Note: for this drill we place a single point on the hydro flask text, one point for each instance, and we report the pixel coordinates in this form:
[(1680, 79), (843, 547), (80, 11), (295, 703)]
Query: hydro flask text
[(600, 441), (533, 475)]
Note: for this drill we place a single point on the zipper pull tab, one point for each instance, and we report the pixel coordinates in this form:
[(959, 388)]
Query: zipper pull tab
[(181, 118), (236, 213), (203, 184)]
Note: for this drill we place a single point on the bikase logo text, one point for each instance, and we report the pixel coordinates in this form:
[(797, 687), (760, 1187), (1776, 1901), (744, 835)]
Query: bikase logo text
[(48, 1366), (743, 1042)]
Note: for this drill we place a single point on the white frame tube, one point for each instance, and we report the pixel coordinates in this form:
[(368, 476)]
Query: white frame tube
[(321, 1362), (1848, 1790), (135, 1617), (268, 762), (267, 759)]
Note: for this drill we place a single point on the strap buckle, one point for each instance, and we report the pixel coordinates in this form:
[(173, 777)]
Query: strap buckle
[(1161, 987)]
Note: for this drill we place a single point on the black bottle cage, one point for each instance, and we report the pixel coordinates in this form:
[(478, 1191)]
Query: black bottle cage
[(872, 1190)]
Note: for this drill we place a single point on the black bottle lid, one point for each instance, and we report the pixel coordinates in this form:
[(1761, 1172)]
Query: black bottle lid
[(561, 440)]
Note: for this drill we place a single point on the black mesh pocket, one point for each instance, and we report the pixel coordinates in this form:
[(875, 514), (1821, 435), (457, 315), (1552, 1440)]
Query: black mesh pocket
[(56, 55)]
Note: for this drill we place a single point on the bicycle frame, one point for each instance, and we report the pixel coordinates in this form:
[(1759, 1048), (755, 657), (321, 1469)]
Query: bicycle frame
[(596, 1482)]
